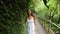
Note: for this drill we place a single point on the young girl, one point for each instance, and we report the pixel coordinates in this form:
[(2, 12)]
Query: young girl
[(31, 21)]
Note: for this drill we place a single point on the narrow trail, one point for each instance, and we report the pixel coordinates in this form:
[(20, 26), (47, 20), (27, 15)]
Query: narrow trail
[(39, 28)]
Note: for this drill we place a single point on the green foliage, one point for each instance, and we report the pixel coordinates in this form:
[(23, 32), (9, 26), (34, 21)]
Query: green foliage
[(12, 12)]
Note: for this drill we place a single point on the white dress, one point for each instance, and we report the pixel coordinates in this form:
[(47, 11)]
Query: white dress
[(30, 27)]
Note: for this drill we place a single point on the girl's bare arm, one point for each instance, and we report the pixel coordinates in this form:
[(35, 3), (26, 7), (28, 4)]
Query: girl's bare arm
[(35, 22)]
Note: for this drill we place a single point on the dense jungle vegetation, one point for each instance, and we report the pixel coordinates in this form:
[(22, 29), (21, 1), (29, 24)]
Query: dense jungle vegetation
[(14, 12)]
